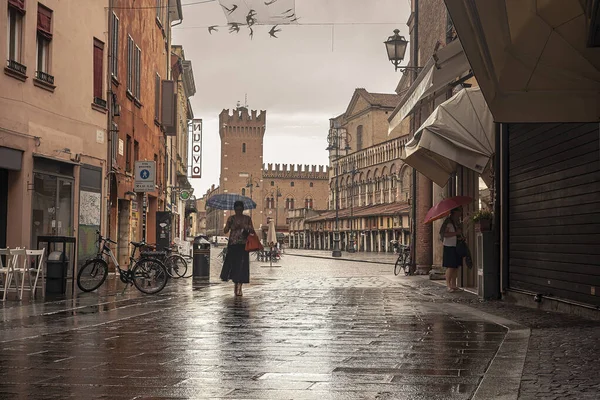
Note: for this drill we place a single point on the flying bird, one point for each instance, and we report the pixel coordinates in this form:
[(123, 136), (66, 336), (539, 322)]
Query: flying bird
[(291, 16), (268, 3), (251, 32), (234, 27), (230, 10), (212, 29), (250, 20), (285, 12), (273, 31), (294, 20)]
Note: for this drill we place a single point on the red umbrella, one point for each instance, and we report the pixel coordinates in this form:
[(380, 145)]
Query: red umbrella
[(443, 208)]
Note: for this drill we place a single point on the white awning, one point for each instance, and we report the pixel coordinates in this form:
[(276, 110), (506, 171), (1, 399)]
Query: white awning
[(446, 66), (531, 58), (459, 131)]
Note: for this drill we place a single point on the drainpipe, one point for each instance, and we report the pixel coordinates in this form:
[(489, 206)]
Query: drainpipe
[(415, 62), (109, 123)]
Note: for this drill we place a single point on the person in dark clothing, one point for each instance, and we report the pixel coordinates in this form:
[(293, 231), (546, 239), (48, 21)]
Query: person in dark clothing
[(237, 261), (450, 233)]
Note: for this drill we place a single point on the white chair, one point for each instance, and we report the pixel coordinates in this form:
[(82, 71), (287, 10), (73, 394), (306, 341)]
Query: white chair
[(7, 270), (37, 269), (19, 265)]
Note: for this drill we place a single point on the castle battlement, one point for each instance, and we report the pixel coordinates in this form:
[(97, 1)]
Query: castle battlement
[(241, 115), (295, 171)]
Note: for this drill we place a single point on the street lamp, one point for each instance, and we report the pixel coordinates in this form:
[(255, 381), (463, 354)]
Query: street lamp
[(277, 196), (396, 49), (251, 183), (353, 171), (334, 139)]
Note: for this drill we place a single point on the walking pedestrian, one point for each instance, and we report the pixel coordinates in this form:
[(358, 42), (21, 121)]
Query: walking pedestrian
[(450, 233), (237, 261)]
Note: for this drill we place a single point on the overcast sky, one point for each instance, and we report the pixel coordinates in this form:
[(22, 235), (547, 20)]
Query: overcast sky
[(302, 79)]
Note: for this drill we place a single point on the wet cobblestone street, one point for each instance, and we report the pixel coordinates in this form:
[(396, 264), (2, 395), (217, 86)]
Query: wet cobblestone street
[(304, 329)]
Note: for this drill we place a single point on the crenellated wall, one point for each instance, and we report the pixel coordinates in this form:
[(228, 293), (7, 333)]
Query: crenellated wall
[(296, 171)]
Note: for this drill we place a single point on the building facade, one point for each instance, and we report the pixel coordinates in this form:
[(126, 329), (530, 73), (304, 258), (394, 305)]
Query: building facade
[(372, 182), (276, 188), (53, 115), (142, 115)]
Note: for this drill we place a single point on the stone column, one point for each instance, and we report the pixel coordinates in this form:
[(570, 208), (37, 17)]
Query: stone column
[(387, 241), (424, 258), (437, 272)]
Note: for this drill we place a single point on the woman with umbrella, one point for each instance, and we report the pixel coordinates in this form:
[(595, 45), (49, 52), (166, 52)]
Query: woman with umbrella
[(237, 261), (450, 234)]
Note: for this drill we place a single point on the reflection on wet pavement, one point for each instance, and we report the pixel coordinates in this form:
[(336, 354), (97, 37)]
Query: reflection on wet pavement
[(306, 331)]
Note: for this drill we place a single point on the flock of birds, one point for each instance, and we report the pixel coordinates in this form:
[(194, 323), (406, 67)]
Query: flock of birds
[(288, 15)]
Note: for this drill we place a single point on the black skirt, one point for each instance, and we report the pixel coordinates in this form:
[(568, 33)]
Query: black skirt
[(237, 264), (451, 258)]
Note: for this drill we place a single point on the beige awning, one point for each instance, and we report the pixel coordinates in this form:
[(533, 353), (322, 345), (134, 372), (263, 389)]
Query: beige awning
[(459, 132), (531, 58), (446, 66)]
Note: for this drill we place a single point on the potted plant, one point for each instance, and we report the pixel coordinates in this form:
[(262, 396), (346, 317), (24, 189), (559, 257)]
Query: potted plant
[(483, 220)]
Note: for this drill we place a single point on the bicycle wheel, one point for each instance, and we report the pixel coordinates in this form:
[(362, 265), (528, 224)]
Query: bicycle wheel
[(406, 265), (398, 265), (92, 274), (176, 266), (149, 276)]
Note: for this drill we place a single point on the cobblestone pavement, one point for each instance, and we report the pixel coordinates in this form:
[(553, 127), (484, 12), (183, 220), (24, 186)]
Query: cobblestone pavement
[(306, 328)]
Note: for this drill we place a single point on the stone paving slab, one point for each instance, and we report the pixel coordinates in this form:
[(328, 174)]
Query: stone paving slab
[(311, 328)]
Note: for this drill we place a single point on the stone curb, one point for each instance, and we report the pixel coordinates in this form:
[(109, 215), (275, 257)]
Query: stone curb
[(502, 378), (342, 259)]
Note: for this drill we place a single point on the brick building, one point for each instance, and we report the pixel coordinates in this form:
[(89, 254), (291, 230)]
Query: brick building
[(140, 62), (275, 188)]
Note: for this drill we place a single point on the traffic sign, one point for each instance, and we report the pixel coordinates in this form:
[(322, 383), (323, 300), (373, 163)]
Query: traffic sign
[(145, 176)]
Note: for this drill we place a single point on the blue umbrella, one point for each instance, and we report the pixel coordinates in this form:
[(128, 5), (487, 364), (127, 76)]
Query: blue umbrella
[(226, 201)]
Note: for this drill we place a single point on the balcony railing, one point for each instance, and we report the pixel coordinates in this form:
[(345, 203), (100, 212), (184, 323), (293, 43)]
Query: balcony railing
[(100, 102), (15, 66), (42, 76)]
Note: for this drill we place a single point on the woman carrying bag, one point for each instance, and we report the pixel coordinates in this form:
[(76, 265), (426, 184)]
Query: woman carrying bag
[(237, 261)]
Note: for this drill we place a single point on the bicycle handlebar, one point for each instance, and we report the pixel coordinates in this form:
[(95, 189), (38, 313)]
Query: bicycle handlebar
[(101, 238)]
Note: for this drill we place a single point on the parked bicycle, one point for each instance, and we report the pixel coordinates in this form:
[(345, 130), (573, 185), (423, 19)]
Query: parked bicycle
[(149, 275), (403, 261), (175, 264)]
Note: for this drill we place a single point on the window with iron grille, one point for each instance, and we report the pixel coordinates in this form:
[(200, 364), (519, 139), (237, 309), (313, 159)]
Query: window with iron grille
[(128, 154), (359, 137), (44, 38), (16, 10)]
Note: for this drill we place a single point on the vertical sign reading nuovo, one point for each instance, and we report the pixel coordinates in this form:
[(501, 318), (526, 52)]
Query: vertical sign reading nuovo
[(196, 148)]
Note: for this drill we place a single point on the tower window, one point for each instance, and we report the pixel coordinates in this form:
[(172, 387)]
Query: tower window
[(272, 183), (243, 191), (243, 147), (311, 184), (292, 184)]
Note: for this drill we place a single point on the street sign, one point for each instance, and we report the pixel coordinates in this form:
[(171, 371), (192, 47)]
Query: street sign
[(145, 176), (185, 195), (196, 148)]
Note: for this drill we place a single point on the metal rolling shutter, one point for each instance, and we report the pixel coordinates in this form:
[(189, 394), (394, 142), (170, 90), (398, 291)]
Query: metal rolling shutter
[(554, 210)]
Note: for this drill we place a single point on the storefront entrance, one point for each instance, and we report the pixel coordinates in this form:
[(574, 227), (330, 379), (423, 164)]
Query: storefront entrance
[(3, 206), (52, 202)]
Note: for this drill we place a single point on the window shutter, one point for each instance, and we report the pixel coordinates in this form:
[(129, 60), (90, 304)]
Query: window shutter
[(18, 4), (44, 21), (115, 47), (138, 71), (129, 64), (168, 106), (98, 56), (157, 97)]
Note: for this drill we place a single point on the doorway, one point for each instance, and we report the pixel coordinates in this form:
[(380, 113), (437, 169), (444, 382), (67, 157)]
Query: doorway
[(52, 206), (3, 206)]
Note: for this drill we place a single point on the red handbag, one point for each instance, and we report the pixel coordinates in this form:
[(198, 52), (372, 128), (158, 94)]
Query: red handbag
[(253, 244)]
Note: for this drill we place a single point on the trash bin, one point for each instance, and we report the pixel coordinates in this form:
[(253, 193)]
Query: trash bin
[(56, 273), (201, 254)]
